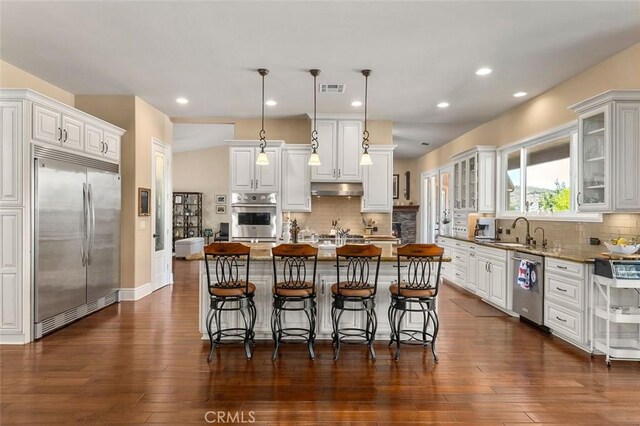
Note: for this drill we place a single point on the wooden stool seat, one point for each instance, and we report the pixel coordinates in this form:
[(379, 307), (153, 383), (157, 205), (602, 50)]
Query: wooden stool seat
[(232, 291), (282, 291), (410, 292), (342, 289)]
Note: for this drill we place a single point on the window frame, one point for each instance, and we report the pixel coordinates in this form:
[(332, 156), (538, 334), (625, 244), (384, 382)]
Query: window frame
[(573, 215)]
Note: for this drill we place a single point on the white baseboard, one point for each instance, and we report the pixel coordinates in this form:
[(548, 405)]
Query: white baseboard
[(133, 294), (14, 339)]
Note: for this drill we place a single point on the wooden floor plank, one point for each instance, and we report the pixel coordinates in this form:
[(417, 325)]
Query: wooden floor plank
[(144, 363)]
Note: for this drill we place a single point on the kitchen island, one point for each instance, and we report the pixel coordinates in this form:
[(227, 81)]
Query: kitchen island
[(261, 274)]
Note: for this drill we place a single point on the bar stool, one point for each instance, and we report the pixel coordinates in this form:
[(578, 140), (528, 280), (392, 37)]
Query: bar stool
[(416, 293), (356, 293), (294, 291), (230, 292)]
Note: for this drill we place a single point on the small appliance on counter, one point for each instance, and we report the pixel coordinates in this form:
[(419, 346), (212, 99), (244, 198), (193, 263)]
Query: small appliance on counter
[(485, 228)]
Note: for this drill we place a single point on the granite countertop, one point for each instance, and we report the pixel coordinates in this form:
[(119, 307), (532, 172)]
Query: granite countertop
[(585, 255), (262, 252)]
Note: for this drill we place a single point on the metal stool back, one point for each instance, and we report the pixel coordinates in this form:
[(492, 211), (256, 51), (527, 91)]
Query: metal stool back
[(416, 292), (355, 293), (229, 290), (294, 289)]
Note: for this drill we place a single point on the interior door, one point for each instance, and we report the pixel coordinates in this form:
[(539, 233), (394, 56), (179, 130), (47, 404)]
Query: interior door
[(60, 273), (160, 216), (103, 264)]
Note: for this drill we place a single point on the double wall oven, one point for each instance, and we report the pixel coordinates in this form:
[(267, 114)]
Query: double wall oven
[(253, 217)]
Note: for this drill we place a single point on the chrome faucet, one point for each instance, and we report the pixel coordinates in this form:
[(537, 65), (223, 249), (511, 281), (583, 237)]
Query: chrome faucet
[(529, 238), (544, 240)]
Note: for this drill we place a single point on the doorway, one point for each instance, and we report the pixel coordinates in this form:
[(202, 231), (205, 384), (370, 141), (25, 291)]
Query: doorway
[(429, 219), (161, 220)]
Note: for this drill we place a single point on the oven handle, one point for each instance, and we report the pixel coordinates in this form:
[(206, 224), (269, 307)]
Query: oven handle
[(531, 261)]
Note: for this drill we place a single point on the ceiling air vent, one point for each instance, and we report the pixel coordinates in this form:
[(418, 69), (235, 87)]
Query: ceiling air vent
[(332, 88)]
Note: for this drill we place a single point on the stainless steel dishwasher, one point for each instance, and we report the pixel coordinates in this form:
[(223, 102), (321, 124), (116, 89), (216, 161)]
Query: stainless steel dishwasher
[(529, 303)]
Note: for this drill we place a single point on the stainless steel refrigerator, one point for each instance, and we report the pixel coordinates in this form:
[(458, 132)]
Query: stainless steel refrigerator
[(77, 237)]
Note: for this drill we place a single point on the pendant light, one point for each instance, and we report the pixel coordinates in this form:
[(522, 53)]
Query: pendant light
[(314, 159), (262, 159), (365, 160)]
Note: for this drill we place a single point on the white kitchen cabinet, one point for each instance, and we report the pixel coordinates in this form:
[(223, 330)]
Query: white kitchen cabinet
[(472, 271), (10, 271), (101, 143), (349, 151), (296, 178), (247, 176), (609, 152), (72, 133), (340, 150), (29, 119), (474, 180), (11, 147), (242, 165), (627, 156), (328, 152), (565, 295), (491, 270), (378, 181), (46, 124)]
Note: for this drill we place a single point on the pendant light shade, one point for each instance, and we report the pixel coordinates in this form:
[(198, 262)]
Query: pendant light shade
[(262, 159), (365, 160), (314, 158)]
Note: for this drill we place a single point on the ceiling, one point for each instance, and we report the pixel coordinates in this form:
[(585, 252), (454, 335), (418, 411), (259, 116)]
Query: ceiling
[(192, 137), (421, 53)]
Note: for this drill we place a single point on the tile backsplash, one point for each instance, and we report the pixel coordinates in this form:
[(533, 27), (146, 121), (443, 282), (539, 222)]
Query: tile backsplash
[(326, 209), (576, 234)]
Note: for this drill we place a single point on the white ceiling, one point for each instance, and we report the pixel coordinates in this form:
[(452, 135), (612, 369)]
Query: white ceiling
[(192, 137), (421, 53)]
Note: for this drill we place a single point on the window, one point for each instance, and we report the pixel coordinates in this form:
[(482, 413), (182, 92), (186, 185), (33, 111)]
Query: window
[(538, 177)]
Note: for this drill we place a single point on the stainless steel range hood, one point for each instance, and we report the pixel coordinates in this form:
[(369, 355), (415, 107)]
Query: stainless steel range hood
[(337, 189)]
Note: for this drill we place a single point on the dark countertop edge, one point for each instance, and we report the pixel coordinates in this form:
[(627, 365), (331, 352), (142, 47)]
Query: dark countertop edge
[(570, 256)]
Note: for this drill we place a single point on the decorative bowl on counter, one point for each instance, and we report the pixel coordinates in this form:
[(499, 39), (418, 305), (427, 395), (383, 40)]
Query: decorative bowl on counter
[(622, 249)]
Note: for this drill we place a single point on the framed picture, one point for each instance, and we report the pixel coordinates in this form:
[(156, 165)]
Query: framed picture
[(221, 199), (396, 186), (144, 202), (221, 209)]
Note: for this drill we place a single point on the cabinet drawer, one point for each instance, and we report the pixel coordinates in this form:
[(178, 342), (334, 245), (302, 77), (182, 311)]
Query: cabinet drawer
[(563, 321), (459, 258), (459, 277), (564, 267), (565, 291)]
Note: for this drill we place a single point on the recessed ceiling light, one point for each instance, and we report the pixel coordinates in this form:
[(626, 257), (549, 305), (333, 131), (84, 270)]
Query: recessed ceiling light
[(519, 94), (443, 105), (356, 104), (271, 102), (484, 71), (182, 101)]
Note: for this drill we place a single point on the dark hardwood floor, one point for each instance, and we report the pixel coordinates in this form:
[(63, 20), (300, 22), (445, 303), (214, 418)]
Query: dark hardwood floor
[(144, 362)]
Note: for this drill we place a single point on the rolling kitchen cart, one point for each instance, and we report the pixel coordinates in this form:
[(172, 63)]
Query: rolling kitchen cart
[(615, 304)]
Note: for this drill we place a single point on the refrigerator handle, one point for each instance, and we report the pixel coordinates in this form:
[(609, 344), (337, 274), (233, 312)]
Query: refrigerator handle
[(85, 223), (92, 229)]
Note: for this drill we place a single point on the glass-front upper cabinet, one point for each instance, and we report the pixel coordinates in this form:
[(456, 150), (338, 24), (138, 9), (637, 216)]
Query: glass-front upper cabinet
[(594, 154), (457, 195), (473, 182), (464, 183)]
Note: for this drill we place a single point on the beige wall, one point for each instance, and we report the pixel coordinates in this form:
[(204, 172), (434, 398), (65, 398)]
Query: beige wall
[(548, 110), (12, 77), (142, 122), (400, 166), (206, 171)]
